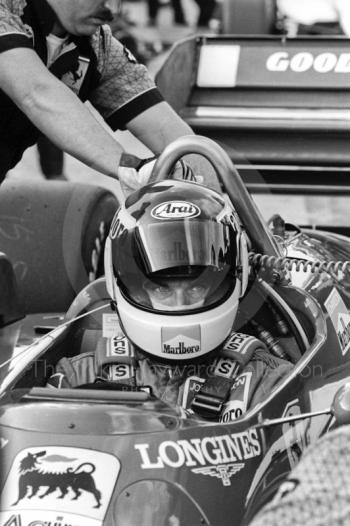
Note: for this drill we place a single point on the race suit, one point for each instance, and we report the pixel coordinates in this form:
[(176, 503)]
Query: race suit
[(236, 377), (97, 68)]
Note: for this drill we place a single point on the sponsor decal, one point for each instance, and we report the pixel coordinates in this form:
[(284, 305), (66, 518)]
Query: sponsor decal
[(78, 482), (187, 342), (192, 386), (120, 371), (223, 472), (179, 253), (236, 342), (121, 222), (237, 405), (74, 79), (340, 318), (175, 210), (294, 433), (217, 456), (226, 367), (303, 61), (241, 347), (111, 325), (118, 347), (31, 519)]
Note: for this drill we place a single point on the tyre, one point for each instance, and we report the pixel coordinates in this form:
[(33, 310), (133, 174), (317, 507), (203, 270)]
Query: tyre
[(53, 233)]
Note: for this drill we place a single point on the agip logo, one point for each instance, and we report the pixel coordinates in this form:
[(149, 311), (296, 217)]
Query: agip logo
[(58, 485), (175, 210)]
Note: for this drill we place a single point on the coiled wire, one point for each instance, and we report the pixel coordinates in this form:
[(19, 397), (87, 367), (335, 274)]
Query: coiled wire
[(263, 261)]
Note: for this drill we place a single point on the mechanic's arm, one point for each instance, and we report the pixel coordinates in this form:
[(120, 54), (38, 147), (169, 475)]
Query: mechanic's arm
[(56, 110), (160, 125)]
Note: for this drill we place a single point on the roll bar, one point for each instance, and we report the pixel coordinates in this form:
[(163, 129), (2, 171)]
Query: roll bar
[(259, 234)]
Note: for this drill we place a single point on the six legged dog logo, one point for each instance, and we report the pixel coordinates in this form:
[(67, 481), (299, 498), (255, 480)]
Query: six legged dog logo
[(32, 476), (74, 481)]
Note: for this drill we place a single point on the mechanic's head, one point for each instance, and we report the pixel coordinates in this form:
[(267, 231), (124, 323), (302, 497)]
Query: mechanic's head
[(176, 264), (83, 17)]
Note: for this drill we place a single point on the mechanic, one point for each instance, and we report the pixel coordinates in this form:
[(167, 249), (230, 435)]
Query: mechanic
[(316, 16), (176, 265), (317, 491), (57, 54)]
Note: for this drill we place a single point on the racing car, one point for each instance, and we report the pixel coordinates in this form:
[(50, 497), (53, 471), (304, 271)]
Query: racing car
[(107, 456)]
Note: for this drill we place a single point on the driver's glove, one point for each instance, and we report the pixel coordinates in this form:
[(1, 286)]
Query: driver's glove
[(139, 171)]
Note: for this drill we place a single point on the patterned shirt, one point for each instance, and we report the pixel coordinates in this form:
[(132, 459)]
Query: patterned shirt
[(97, 68), (317, 491)]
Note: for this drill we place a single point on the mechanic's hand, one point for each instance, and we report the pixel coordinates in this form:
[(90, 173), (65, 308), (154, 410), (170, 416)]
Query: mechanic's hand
[(182, 170), (132, 179)]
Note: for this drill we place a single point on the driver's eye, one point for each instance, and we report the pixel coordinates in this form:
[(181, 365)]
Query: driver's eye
[(159, 291), (197, 292)]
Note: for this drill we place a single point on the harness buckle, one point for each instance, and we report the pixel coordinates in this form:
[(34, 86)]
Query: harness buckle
[(209, 401)]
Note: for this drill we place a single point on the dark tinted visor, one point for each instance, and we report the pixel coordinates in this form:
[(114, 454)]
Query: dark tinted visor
[(185, 243)]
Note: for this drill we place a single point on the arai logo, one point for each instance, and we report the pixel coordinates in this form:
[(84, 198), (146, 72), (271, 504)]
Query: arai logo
[(175, 210)]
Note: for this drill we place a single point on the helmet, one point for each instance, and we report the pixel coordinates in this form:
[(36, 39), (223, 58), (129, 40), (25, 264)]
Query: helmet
[(176, 264)]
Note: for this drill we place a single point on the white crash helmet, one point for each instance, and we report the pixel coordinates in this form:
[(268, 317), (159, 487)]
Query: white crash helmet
[(171, 234)]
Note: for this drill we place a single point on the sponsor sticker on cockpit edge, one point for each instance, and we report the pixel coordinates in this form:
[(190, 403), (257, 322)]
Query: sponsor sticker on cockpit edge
[(237, 406), (216, 456), (175, 210), (340, 318), (59, 484)]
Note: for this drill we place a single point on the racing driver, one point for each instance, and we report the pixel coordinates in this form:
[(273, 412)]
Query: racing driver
[(176, 265)]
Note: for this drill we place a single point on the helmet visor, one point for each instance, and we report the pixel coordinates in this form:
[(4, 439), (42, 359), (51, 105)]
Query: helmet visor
[(184, 243), (179, 266)]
